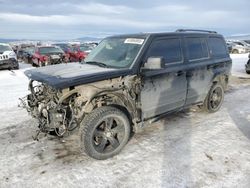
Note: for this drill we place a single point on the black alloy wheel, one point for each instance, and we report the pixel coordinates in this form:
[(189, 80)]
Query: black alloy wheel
[(104, 132), (214, 98), (108, 135)]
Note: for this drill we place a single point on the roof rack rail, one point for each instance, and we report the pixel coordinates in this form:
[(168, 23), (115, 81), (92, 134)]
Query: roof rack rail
[(197, 30)]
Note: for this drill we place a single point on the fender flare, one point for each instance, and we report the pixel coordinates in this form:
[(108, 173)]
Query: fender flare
[(123, 101)]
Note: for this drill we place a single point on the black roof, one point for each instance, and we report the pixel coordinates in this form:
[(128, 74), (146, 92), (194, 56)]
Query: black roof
[(177, 33)]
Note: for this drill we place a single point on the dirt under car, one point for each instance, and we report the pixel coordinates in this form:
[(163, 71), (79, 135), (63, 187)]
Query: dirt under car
[(127, 82)]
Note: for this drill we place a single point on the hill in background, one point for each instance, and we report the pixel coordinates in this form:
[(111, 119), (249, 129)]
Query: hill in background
[(82, 39)]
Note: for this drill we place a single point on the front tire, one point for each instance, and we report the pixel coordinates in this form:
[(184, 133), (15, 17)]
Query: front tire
[(104, 132), (214, 99), (235, 51), (39, 64), (16, 67)]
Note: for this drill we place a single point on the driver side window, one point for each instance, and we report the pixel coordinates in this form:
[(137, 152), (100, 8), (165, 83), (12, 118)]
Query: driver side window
[(169, 49)]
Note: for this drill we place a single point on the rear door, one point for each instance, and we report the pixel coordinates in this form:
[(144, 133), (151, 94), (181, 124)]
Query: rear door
[(164, 90), (198, 74)]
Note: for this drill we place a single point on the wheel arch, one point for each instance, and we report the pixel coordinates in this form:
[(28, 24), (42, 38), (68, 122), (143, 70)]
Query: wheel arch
[(115, 99), (223, 79)]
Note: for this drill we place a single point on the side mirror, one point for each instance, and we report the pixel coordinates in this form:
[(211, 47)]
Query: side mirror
[(154, 63)]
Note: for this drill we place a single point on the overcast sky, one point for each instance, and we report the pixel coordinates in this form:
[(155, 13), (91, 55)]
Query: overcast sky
[(59, 19)]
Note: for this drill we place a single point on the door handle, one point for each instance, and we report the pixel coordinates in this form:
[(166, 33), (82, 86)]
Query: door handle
[(179, 73)]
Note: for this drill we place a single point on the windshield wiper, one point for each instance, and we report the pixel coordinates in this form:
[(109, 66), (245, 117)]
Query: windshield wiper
[(96, 63)]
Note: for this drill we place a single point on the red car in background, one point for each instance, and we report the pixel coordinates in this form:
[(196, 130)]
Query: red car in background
[(49, 55), (76, 54), (87, 48)]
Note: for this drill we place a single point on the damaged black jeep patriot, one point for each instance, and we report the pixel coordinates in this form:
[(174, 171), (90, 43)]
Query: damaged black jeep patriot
[(127, 82)]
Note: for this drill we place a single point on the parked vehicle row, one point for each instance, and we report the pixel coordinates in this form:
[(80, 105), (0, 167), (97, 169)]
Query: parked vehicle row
[(42, 55), (238, 47)]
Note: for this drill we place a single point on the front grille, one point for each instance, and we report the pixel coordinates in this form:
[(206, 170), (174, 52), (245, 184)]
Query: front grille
[(4, 57)]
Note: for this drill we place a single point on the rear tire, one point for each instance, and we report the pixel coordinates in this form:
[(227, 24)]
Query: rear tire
[(16, 67), (247, 67), (104, 132), (214, 98)]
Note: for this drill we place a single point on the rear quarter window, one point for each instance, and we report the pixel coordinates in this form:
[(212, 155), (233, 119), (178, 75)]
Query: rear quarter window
[(217, 47), (197, 48)]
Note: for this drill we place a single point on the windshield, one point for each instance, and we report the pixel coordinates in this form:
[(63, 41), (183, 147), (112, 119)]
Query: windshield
[(74, 49), (29, 50), (50, 50), (85, 48), (247, 41), (4, 48), (116, 52), (64, 47)]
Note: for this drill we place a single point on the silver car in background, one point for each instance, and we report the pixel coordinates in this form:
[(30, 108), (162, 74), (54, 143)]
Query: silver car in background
[(239, 47)]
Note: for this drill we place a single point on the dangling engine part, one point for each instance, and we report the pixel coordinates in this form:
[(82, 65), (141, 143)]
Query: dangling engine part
[(53, 117), (61, 111)]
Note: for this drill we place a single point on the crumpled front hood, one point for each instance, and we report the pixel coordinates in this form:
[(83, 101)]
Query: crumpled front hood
[(72, 74)]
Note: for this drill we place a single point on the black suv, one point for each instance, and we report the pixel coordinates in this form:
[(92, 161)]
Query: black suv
[(127, 82)]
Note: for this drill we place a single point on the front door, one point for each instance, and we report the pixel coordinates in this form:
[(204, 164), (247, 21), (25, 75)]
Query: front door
[(164, 90)]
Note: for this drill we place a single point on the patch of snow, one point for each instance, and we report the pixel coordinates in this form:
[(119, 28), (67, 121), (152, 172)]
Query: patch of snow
[(238, 66)]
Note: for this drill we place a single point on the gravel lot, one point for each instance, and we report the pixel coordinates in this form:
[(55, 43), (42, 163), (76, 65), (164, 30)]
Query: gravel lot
[(187, 149)]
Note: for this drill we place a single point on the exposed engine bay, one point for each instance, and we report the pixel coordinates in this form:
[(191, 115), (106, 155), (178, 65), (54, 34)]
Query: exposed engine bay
[(60, 111), (54, 117)]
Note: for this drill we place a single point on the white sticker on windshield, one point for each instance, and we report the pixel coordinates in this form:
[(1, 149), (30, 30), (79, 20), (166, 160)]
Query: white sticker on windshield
[(134, 41)]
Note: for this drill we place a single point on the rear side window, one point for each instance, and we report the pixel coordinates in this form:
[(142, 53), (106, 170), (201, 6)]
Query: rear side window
[(217, 47), (197, 48), (169, 49)]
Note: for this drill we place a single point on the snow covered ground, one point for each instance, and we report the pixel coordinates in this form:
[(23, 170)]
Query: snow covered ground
[(239, 61), (187, 149)]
